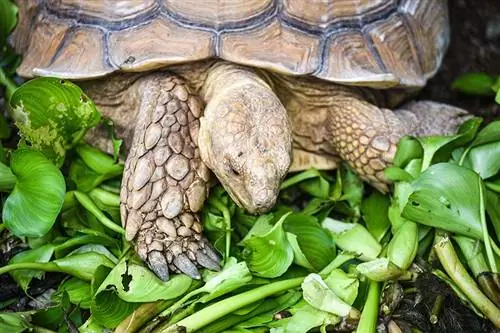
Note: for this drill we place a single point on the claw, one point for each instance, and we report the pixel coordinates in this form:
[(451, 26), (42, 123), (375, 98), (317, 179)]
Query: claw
[(209, 251), (206, 261), (186, 266), (158, 264)]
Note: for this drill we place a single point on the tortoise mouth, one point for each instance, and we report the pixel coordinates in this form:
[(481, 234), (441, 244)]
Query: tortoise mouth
[(242, 196)]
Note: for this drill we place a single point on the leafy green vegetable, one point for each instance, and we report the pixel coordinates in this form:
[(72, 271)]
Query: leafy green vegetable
[(78, 291), (268, 254), (23, 277), (17, 322), (8, 13), (52, 115), (446, 196), (475, 84), (314, 242), (380, 269), (343, 285), (318, 294), (353, 237), (374, 210), (32, 207)]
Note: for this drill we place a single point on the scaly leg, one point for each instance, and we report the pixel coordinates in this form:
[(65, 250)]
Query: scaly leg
[(366, 136), (165, 182)]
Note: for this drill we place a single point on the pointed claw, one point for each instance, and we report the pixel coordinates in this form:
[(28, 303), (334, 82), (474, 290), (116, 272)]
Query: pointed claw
[(158, 264), (186, 266), (209, 251), (206, 261)]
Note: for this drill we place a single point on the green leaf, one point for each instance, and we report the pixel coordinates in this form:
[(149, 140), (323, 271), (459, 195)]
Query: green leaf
[(135, 283), (78, 291), (353, 237), (15, 322), (490, 133), (232, 276), (268, 254), (474, 84), (343, 285), (99, 161), (374, 210), (300, 177), (8, 13), (446, 196), (32, 207), (317, 293), (83, 265), (408, 149), (493, 209), (381, 269), (305, 317), (314, 242), (298, 256), (106, 307), (352, 187), (23, 277), (484, 159), (438, 148), (52, 115)]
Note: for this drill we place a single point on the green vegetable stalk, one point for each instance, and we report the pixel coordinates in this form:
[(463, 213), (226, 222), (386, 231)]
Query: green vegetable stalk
[(218, 310), (473, 253), (452, 265), (368, 321), (404, 245), (7, 178)]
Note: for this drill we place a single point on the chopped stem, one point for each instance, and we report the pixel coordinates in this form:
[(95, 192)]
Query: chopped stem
[(368, 321), (436, 309), (218, 310), (39, 266), (89, 205), (452, 265)]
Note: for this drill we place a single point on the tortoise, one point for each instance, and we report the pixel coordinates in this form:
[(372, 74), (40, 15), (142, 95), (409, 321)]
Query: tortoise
[(248, 90)]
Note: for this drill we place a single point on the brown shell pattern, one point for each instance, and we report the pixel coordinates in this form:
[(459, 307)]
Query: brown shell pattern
[(378, 43)]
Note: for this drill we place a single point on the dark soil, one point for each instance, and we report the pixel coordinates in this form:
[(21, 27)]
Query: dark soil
[(470, 51)]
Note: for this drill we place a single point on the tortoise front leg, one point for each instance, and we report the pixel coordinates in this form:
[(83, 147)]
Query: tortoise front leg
[(366, 136), (165, 182)]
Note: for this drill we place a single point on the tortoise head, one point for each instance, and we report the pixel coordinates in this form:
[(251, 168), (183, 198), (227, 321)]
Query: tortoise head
[(245, 139)]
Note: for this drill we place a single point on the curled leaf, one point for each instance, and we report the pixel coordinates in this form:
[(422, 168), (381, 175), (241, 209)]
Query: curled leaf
[(268, 254), (32, 207)]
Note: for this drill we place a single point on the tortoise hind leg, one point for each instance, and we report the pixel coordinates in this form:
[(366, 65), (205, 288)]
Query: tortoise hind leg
[(366, 136), (165, 182)]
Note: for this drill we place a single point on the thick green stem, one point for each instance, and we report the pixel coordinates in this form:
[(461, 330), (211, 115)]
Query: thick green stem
[(89, 205), (107, 198), (451, 263), (339, 260), (218, 310), (39, 266), (436, 309), (369, 316)]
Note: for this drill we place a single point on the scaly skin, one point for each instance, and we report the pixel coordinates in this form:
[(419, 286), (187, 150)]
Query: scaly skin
[(165, 182), (245, 138)]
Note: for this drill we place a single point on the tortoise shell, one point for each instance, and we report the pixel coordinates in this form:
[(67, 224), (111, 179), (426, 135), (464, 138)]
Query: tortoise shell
[(377, 43)]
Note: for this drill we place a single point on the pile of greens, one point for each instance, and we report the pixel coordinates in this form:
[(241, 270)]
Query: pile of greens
[(333, 254)]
